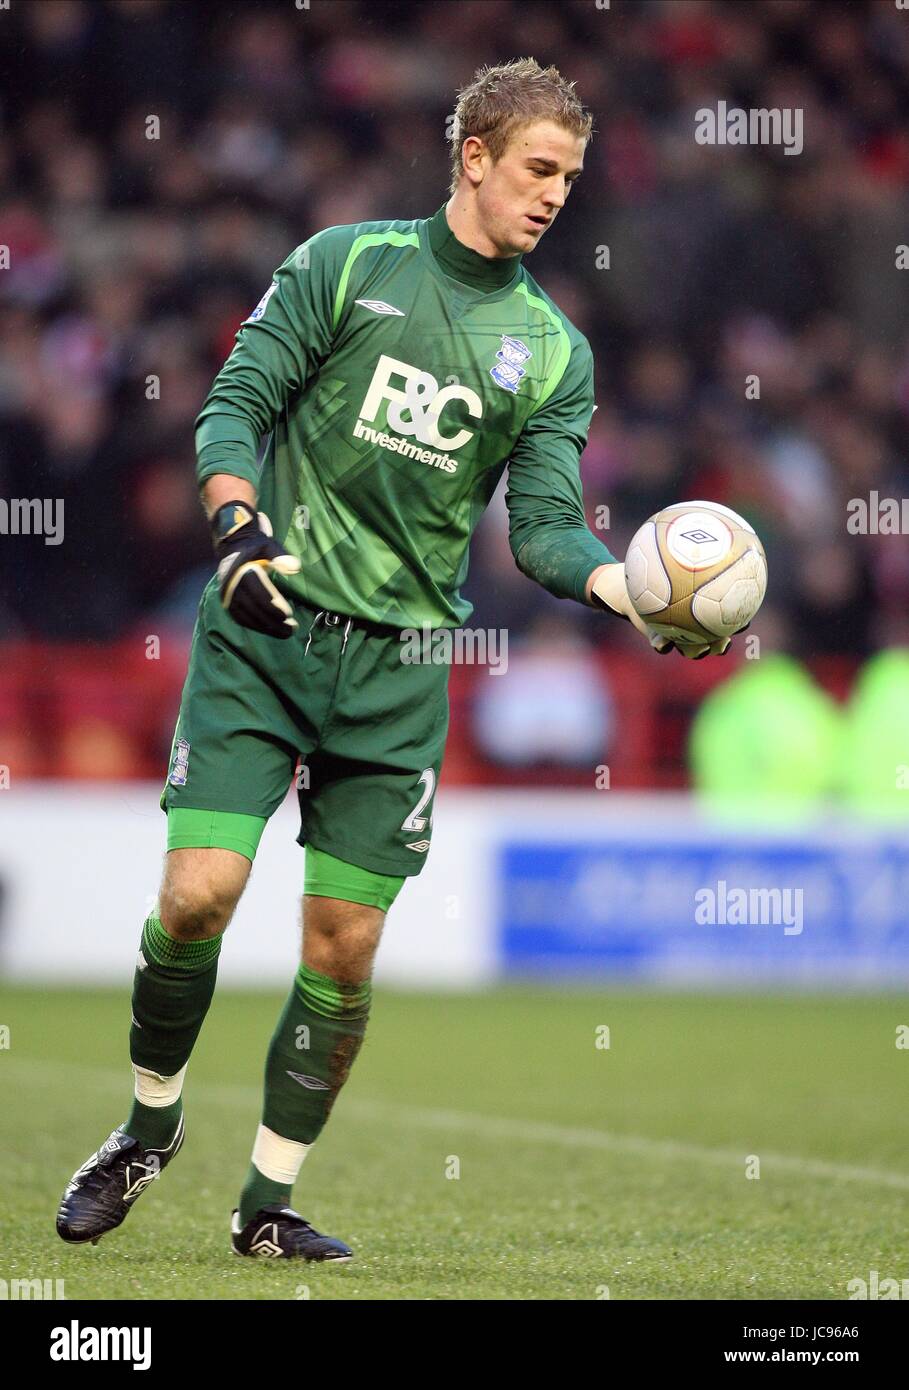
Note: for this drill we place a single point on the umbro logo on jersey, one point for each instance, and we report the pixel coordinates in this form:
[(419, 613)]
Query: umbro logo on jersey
[(378, 306), (421, 846)]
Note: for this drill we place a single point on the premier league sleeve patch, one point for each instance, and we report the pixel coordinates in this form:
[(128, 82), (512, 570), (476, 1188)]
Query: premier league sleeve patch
[(180, 764), (262, 304), (510, 359)]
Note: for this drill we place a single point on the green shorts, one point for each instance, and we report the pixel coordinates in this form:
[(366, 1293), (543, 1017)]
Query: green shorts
[(368, 729)]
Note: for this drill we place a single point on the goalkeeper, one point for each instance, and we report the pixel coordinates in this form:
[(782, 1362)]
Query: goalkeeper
[(398, 368)]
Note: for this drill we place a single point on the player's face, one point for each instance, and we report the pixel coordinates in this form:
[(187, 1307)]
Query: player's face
[(522, 194)]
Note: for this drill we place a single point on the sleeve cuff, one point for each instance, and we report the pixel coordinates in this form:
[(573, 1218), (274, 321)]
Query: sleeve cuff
[(586, 570), (235, 467)]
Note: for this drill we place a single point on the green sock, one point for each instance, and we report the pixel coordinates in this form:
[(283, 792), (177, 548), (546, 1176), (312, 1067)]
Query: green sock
[(312, 1050), (258, 1192), (154, 1126), (172, 989)]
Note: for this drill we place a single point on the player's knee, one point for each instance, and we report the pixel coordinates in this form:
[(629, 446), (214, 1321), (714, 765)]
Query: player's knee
[(198, 897), (335, 920), (344, 910), (191, 918), (340, 938)]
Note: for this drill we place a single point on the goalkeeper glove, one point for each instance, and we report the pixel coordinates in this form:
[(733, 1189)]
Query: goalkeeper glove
[(610, 592), (247, 554)]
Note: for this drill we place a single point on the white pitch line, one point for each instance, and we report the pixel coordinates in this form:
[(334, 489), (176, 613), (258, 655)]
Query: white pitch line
[(503, 1127), (540, 1132)]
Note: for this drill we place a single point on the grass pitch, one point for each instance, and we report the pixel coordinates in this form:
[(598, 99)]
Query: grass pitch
[(581, 1168)]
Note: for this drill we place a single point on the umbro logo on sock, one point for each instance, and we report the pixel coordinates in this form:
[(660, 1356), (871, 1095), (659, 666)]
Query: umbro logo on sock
[(312, 1083)]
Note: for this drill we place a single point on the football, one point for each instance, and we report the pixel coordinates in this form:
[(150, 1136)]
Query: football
[(696, 571)]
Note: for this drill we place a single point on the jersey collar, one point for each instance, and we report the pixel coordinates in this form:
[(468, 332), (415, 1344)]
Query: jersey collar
[(484, 273)]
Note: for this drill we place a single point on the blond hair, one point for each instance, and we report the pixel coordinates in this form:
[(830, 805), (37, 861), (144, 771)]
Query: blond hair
[(502, 99)]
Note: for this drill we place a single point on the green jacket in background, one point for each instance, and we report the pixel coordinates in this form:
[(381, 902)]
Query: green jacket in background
[(876, 753), (765, 745)]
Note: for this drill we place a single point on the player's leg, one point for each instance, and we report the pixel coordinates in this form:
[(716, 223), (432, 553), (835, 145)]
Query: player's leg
[(234, 750), (175, 978), (313, 1048), (172, 989), (366, 808)]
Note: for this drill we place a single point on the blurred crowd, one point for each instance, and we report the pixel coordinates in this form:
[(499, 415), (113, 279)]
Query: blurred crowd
[(132, 261)]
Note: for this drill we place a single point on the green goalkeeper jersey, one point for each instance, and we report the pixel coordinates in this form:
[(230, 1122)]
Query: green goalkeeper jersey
[(398, 372)]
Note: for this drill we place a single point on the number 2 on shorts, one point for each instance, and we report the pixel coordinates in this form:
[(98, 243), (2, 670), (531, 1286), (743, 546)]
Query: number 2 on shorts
[(416, 821)]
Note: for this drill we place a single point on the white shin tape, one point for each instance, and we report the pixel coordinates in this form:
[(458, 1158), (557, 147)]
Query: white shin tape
[(157, 1091), (276, 1158)]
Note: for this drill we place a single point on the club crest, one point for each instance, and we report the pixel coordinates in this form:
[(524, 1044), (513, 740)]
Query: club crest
[(509, 367)]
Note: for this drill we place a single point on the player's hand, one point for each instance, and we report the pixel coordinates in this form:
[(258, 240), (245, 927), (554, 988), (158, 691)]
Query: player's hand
[(247, 554), (609, 591)]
